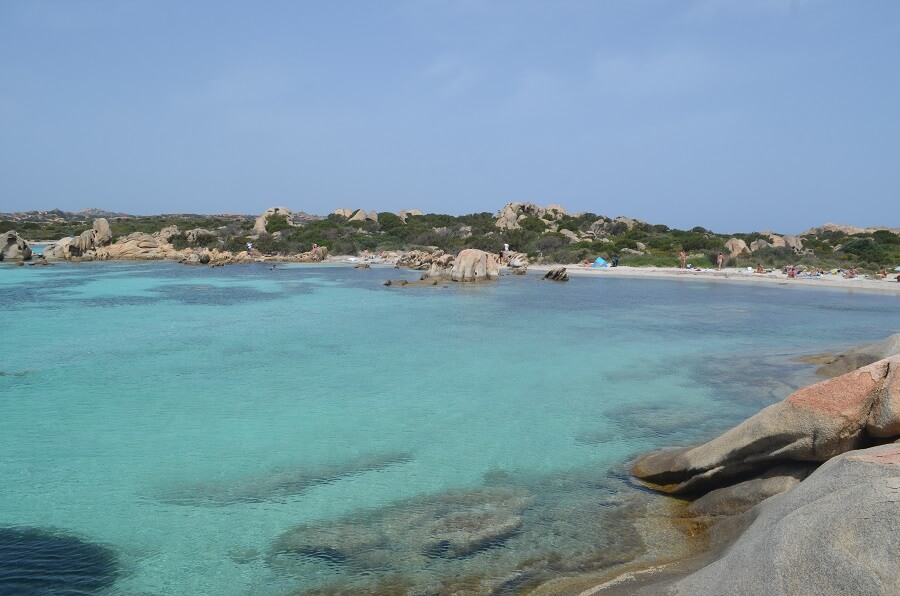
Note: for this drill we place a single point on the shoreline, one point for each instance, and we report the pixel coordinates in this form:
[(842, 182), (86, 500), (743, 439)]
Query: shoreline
[(735, 275)]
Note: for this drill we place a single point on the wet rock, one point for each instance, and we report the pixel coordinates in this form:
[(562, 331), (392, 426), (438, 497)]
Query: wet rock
[(37, 562), (363, 266), (559, 274), (813, 424)]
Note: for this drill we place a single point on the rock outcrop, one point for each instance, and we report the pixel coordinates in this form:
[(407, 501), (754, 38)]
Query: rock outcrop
[(475, 265), (259, 226), (858, 357), (83, 245), (13, 247), (559, 274), (510, 216), (849, 230), (737, 247), (813, 424), (837, 532)]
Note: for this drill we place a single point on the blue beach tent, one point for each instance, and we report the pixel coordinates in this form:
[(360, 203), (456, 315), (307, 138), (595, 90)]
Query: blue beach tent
[(599, 262)]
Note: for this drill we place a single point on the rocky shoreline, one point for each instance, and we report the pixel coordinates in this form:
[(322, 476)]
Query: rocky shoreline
[(801, 498)]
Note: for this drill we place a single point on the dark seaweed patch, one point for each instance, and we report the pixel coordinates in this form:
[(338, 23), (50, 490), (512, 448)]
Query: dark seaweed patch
[(34, 561)]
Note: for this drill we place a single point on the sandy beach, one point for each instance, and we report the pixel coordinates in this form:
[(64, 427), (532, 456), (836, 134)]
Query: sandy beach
[(864, 284)]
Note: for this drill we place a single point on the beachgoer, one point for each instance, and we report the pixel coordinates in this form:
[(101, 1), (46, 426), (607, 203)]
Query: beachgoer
[(759, 268), (249, 246), (505, 247), (615, 261), (315, 246), (720, 258), (682, 256)]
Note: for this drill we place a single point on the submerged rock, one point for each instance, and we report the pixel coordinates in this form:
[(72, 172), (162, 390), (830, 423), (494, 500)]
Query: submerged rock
[(39, 562), (813, 424), (859, 357), (280, 485), (452, 525)]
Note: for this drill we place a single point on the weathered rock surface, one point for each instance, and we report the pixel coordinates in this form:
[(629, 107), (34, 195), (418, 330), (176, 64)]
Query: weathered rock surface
[(83, 245), (13, 247), (737, 247), (475, 265), (513, 259), (836, 533), (259, 226), (759, 244), (861, 356), (813, 424), (738, 498), (559, 274)]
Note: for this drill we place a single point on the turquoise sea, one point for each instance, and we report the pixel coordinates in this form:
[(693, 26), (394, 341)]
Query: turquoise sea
[(248, 430)]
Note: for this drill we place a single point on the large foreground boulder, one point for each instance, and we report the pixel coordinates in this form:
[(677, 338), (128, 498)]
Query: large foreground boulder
[(13, 247), (858, 357), (813, 424), (837, 532), (472, 264)]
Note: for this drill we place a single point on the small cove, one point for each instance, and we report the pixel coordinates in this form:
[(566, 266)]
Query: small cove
[(244, 430)]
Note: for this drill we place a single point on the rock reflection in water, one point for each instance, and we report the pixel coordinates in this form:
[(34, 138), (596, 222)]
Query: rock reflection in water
[(281, 485)]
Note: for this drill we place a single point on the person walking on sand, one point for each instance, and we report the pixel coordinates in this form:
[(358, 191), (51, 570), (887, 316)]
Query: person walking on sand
[(720, 258), (682, 256)]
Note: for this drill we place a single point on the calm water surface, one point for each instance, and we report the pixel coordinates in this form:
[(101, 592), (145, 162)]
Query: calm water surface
[(245, 430)]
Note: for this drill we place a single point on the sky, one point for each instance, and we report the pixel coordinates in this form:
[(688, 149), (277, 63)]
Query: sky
[(734, 115)]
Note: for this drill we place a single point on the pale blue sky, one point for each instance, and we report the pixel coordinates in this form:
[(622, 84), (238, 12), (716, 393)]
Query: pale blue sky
[(730, 114)]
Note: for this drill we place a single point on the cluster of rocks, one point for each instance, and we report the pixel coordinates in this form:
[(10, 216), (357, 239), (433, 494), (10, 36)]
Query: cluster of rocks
[(513, 213), (470, 265), (362, 215), (737, 247), (293, 219), (96, 245), (814, 482)]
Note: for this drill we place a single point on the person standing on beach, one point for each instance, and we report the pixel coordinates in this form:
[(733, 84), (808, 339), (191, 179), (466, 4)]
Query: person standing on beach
[(720, 258), (682, 256)]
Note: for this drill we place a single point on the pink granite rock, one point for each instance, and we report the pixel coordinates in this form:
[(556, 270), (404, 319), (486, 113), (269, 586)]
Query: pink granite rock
[(813, 424)]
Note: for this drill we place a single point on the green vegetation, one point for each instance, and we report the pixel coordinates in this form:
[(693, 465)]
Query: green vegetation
[(569, 239)]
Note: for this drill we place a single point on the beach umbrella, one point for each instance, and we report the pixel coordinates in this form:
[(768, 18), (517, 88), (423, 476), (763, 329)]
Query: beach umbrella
[(896, 268), (599, 262)]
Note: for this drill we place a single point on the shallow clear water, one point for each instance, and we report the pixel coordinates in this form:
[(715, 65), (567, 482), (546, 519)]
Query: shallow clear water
[(248, 430)]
